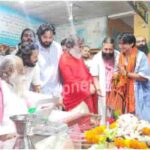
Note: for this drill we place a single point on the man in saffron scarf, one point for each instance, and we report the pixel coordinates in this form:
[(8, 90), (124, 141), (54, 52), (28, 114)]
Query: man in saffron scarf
[(133, 78), (78, 84)]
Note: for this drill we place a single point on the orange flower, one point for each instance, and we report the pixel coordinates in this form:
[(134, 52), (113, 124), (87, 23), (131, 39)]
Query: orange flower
[(113, 125), (92, 136), (135, 144), (119, 142), (146, 131), (143, 145), (96, 139), (130, 143), (127, 143)]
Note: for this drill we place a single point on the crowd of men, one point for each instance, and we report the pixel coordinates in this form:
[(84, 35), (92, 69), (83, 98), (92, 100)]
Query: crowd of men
[(112, 80)]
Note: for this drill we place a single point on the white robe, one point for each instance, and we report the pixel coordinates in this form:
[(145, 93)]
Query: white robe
[(98, 69), (13, 105), (49, 69)]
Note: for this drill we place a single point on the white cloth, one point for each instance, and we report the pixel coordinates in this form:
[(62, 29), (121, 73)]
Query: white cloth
[(82, 108), (13, 105), (49, 68), (14, 52), (31, 76), (62, 141), (88, 63), (98, 69), (1, 58)]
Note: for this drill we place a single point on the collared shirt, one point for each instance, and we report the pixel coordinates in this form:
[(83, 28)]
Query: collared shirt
[(49, 69)]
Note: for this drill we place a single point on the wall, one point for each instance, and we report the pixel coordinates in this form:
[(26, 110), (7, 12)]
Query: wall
[(141, 28), (116, 26), (93, 31), (12, 23)]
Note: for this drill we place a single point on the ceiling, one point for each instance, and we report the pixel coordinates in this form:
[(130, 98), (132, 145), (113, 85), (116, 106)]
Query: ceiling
[(129, 20), (56, 12)]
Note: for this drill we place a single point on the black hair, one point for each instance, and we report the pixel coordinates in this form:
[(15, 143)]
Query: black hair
[(27, 47), (72, 41), (8, 52), (128, 38), (25, 51), (63, 42), (86, 46), (45, 27), (27, 29), (108, 40)]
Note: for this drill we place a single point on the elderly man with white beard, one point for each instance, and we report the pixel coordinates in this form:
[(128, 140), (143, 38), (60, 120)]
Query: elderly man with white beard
[(11, 69)]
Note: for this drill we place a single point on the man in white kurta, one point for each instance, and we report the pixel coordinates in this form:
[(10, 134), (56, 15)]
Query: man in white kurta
[(49, 55), (102, 68), (49, 73)]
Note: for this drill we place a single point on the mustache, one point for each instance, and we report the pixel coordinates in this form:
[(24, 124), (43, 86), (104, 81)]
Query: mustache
[(30, 40), (143, 48), (35, 61), (107, 55), (45, 44)]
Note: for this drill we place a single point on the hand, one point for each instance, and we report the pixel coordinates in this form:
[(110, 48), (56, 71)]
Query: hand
[(99, 93), (60, 102), (92, 89), (115, 76), (122, 70), (37, 88)]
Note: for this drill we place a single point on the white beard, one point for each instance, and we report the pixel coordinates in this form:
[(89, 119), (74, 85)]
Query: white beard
[(17, 83), (75, 53)]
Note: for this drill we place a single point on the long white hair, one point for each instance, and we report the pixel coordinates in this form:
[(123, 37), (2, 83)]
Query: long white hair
[(11, 70)]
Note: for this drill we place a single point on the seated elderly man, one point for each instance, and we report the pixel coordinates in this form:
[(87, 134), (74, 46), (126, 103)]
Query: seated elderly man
[(11, 69), (14, 99)]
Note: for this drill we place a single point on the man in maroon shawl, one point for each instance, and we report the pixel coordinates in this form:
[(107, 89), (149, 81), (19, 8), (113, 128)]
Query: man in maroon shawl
[(77, 81)]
